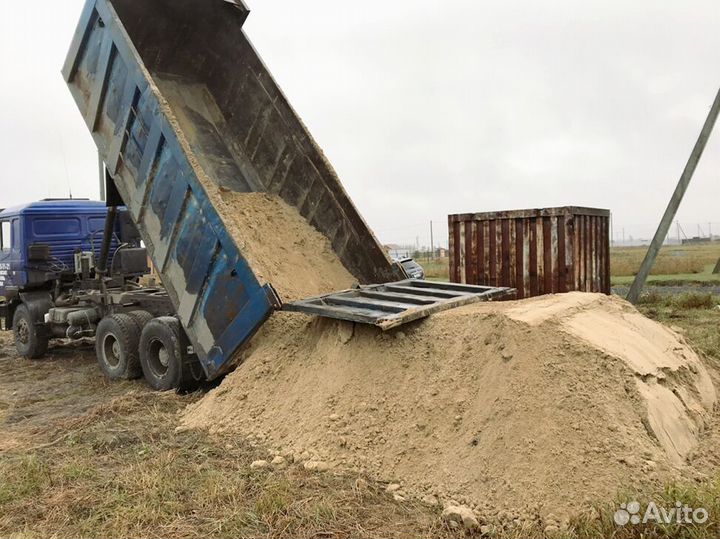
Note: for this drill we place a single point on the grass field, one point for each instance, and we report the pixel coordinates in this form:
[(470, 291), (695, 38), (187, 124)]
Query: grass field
[(437, 269), (685, 264), (677, 264)]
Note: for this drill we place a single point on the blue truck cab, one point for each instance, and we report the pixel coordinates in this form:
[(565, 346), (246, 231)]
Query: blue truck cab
[(71, 269), (38, 242)]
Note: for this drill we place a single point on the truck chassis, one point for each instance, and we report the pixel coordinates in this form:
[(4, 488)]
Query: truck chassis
[(135, 328)]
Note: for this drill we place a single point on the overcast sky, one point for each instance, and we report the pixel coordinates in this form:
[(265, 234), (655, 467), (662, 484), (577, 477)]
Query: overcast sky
[(430, 108)]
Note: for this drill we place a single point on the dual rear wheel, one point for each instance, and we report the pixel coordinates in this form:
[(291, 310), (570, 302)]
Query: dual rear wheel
[(164, 358), (135, 344)]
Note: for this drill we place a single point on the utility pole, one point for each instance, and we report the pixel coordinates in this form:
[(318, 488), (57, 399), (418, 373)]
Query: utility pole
[(674, 203), (432, 242)]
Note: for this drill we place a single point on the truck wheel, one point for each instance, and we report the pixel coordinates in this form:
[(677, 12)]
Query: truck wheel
[(116, 347), (30, 341), (164, 361), (141, 317)]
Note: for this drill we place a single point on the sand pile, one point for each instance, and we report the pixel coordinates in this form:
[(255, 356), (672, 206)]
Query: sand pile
[(282, 247), (529, 407)]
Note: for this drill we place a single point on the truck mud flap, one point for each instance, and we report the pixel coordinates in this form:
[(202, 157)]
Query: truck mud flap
[(393, 304)]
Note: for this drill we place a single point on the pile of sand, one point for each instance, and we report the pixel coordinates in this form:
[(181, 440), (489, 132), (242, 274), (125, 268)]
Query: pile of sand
[(282, 248), (527, 407)]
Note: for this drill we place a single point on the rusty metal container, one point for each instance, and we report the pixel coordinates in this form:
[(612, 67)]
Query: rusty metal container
[(540, 251)]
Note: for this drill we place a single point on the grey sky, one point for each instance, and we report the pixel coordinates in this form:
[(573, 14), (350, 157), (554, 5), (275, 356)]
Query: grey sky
[(429, 108)]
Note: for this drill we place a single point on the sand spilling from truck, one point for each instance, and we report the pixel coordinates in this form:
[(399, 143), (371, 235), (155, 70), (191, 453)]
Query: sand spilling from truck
[(282, 247), (529, 407)]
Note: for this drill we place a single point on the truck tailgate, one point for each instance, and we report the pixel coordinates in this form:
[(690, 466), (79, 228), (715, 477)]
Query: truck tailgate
[(394, 304)]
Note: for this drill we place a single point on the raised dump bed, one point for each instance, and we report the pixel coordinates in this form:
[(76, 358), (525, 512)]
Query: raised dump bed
[(237, 205), (184, 114)]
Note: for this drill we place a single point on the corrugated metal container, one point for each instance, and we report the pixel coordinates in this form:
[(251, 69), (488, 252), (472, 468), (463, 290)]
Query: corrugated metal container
[(537, 252)]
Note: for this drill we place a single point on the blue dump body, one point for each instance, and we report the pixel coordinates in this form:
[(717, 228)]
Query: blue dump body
[(65, 226), (180, 106)]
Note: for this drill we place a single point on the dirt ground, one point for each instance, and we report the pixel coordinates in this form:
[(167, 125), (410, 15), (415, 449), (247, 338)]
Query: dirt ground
[(81, 457)]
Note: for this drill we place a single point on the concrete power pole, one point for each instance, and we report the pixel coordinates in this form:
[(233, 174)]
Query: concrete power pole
[(432, 242), (674, 204)]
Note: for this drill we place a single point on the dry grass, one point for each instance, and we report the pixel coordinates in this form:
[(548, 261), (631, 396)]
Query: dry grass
[(685, 262), (105, 461), (695, 300), (684, 302), (601, 523), (105, 485), (699, 322), (437, 269), (672, 260)]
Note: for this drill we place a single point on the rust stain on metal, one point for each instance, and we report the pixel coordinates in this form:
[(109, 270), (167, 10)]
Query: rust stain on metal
[(538, 252)]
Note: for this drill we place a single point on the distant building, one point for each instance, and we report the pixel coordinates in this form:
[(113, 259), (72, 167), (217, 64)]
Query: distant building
[(441, 252), (397, 251), (696, 240)]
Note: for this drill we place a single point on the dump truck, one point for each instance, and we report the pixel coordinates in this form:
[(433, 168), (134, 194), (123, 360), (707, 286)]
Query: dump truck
[(182, 109), (71, 269)]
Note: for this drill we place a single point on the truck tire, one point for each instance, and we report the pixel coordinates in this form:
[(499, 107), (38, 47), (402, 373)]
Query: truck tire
[(30, 341), (141, 317), (164, 360), (116, 347)]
